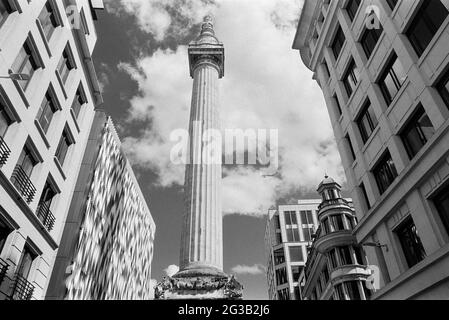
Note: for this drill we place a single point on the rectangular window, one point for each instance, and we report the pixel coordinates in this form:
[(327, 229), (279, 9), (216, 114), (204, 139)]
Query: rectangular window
[(65, 66), (367, 122), (410, 242), (48, 21), (290, 217), (392, 79), (279, 256), (278, 237), (351, 149), (296, 254), (281, 276), (25, 63), (365, 195), (417, 132), (5, 10), (339, 292), (337, 43), (441, 202), (351, 78), (5, 120), (293, 235), (308, 232), (352, 287), (443, 88), (345, 255), (297, 293), (369, 40), (385, 172), (26, 161), (296, 272), (63, 147), (358, 255), (333, 258), (4, 233), (425, 25), (337, 104), (306, 217), (78, 102), (277, 222), (337, 221), (352, 7), (392, 3), (46, 111)]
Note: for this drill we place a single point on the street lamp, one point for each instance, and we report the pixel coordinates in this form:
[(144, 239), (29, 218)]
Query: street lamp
[(375, 244), (16, 76)]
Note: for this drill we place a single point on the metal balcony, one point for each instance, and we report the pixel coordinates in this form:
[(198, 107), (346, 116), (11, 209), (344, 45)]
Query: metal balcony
[(4, 151), (21, 289), (45, 216), (23, 184), (3, 269)]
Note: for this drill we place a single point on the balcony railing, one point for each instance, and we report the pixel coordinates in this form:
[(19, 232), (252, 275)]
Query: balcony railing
[(45, 216), (21, 289), (23, 184), (332, 202), (3, 269), (4, 151)]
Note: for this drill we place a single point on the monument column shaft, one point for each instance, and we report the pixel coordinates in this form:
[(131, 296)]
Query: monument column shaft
[(202, 238)]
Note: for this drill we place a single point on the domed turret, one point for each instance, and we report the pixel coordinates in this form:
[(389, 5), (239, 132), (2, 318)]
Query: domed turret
[(329, 189)]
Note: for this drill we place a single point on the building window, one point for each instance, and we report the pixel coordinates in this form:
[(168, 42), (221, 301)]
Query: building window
[(279, 256), (340, 292), (284, 294), (369, 40), (297, 293), (65, 65), (367, 122), (337, 43), (83, 21), (281, 276), (352, 287), (46, 111), (5, 10), (358, 255), (410, 242), (351, 78), (392, 3), (326, 274), (308, 232), (333, 258), (443, 88), (296, 254), (277, 222), (352, 7), (338, 222), (293, 235), (25, 63), (385, 173), (78, 102), (22, 173), (351, 149), (392, 79), (296, 271), (441, 202), (4, 233), (345, 255), (365, 195), (43, 209), (278, 237), (337, 104), (5, 120), (417, 132), (48, 21), (290, 218), (306, 216), (63, 147), (427, 21)]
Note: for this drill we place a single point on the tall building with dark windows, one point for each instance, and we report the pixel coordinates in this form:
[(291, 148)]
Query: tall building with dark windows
[(336, 267), (383, 67), (48, 93), (288, 232)]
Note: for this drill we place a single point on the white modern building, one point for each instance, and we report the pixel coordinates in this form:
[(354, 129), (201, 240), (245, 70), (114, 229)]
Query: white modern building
[(48, 93), (383, 67), (288, 233)]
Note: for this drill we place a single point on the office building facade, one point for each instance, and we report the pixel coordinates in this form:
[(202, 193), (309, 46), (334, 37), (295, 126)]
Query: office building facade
[(48, 92), (288, 232), (107, 246), (383, 67)]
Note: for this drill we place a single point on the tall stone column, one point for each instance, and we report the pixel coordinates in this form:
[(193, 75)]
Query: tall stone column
[(202, 236), (201, 273)]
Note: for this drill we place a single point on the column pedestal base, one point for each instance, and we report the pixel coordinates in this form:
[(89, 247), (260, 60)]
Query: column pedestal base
[(199, 284)]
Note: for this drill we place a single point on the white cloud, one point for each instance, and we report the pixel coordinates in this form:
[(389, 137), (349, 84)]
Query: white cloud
[(251, 270), (265, 86), (171, 270)]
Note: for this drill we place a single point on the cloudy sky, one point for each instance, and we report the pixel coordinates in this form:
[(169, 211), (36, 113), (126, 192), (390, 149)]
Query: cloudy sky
[(142, 63)]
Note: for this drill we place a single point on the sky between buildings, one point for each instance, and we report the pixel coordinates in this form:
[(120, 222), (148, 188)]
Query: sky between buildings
[(142, 63)]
